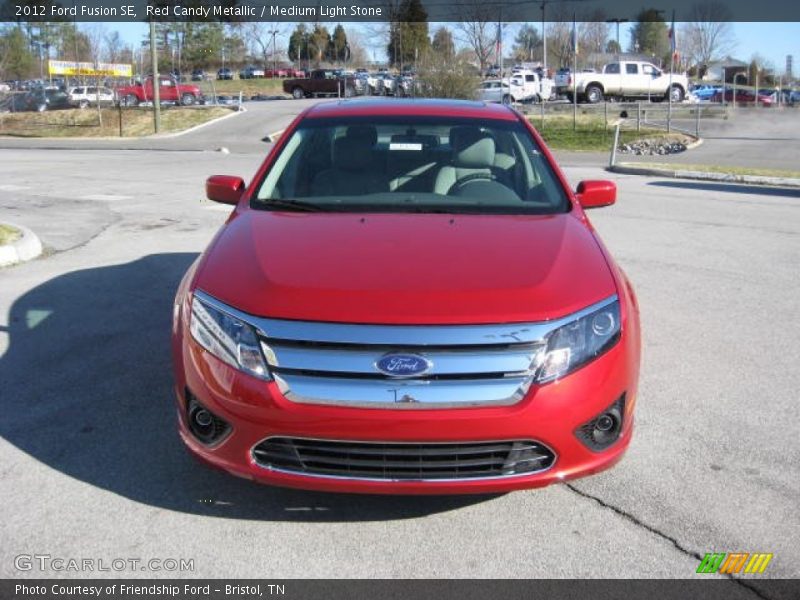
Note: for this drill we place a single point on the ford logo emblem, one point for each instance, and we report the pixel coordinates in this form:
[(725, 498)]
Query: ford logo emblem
[(397, 364)]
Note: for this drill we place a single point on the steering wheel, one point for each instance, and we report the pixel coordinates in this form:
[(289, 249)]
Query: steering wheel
[(458, 185)]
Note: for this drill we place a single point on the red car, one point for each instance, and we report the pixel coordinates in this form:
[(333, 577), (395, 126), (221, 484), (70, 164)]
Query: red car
[(407, 298), (743, 96)]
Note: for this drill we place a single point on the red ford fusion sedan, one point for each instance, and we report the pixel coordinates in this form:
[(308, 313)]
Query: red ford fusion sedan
[(407, 298)]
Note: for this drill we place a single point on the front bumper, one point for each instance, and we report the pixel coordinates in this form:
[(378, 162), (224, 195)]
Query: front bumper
[(549, 414)]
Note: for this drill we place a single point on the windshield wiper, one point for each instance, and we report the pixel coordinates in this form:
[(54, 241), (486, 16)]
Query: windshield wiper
[(298, 205)]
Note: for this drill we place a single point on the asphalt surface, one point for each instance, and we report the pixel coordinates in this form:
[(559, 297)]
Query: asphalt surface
[(759, 138), (91, 465)]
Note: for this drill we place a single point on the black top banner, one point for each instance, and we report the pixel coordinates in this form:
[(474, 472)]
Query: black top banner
[(386, 10)]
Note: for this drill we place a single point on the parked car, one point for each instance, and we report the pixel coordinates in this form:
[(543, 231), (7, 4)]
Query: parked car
[(794, 97), (528, 86), (404, 86), (704, 92), (494, 71), (408, 374), (385, 84), (625, 79), (224, 74), (277, 72), (40, 100), (198, 75), (85, 96), (251, 72), (743, 96), (322, 82), (494, 90), (169, 90)]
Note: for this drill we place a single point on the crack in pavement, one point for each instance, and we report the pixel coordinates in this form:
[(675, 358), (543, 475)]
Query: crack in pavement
[(682, 549)]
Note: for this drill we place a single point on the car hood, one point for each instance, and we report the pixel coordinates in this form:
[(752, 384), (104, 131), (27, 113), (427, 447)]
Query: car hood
[(405, 268)]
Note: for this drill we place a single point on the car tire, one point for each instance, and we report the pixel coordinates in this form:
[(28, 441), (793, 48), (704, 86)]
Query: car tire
[(594, 94), (130, 100), (298, 94), (188, 99), (507, 99), (677, 93)]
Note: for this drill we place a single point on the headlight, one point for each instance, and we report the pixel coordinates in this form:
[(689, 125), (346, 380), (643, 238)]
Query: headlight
[(228, 338), (576, 343)]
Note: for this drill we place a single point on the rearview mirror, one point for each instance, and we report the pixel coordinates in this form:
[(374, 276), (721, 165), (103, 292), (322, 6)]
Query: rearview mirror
[(596, 193), (225, 189)]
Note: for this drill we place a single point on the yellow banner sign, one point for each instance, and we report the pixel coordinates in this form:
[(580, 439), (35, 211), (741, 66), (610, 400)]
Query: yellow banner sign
[(66, 67)]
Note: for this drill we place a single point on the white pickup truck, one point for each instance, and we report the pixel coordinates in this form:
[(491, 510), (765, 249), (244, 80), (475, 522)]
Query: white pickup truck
[(625, 79)]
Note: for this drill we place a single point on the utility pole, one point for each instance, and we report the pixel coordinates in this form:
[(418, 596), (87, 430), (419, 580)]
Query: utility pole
[(156, 82), (544, 42)]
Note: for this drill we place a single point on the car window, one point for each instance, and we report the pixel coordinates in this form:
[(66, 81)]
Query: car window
[(632, 69), (612, 68), (648, 69), (413, 164)]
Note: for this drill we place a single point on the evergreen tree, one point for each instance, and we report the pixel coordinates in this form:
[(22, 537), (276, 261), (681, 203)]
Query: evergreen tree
[(443, 45), (16, 59), (526, 43), (649, 34), (408, 33)]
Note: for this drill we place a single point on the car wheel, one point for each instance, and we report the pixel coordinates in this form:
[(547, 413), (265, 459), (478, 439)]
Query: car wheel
[(506, 99), (401, 92), (130, 100), (677, 94), (187, 99), (297, 93), (83, 104), (594, 94)]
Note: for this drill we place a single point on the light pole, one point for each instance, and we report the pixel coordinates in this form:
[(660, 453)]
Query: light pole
[(273, 33), (617, 21), (734, 88)]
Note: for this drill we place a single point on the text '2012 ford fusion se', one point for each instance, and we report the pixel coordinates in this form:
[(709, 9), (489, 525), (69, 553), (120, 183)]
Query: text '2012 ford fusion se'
[(408, 298)]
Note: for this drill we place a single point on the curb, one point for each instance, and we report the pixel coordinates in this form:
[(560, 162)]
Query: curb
[(25, 248), (161, 136), (631, 169)]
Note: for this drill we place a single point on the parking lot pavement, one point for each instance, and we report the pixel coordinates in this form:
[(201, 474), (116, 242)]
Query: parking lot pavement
[(91, 465), (763, 138)]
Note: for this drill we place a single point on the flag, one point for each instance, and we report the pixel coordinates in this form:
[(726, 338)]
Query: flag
[(673, 42), (574, 37)]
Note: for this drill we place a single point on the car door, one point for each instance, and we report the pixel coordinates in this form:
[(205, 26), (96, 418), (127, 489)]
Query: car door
[(634, 82), (612, 81), (167, 90)]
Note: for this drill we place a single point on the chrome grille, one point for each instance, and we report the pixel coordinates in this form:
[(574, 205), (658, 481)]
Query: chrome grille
[(403, 461), (335, 363)]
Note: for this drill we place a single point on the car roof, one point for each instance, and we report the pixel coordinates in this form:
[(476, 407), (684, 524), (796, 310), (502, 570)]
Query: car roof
[(411, 106)]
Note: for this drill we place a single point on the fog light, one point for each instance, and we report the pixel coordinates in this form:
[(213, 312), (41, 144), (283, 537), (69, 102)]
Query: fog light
[(204, 425), (605, 428)]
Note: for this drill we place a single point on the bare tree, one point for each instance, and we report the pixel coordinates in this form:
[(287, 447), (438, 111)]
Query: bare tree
[(263, 39), (708, 35), (96, 34), (478, 30)]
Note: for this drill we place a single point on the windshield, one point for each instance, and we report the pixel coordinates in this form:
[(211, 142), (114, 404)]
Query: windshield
[(412, 164)]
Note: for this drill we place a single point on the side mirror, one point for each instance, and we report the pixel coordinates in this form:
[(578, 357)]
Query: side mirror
[(595, 193), (224, 189)]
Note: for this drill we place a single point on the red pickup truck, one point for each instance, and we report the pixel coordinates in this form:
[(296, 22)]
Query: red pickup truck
[(320, 82), (169, 91)]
